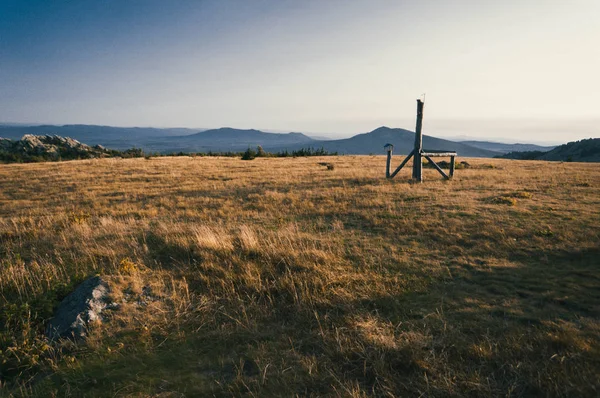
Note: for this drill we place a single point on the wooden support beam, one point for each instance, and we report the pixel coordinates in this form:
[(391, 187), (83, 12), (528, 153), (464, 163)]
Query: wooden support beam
[(417, 165), (410, 155), (452, 166), (388, 163), (437, 167)]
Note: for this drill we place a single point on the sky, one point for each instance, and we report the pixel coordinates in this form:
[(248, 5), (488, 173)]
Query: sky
[(526, 71)]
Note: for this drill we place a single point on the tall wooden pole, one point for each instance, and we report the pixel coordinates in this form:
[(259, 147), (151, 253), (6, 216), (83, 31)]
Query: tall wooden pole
[(388, 164), (417, 164)]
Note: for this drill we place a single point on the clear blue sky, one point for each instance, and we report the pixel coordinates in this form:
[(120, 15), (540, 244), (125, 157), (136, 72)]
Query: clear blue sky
[(524, 70)]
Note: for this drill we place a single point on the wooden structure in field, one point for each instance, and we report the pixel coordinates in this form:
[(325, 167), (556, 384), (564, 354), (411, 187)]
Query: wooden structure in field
[(418, 153)]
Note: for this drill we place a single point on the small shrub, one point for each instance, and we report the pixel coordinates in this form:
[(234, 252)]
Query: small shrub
[(547, 232), (133, 153), (80, 218), (260, 152), (510, 198), (504, 200), (250, 154), (520, 195), (128, 267), (330, 166)]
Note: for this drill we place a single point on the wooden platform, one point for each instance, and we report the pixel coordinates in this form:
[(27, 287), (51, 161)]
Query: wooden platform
[(430, 153)]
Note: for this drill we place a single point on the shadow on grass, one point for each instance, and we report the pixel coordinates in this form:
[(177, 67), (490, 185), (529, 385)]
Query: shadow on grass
[(162, 253), (529, 330)]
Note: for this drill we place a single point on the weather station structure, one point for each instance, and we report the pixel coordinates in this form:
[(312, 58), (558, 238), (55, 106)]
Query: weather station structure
[(418, 153)]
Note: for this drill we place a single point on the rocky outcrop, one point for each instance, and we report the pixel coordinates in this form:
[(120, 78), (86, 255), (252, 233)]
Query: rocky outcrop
[(48, 147), (79, 309)]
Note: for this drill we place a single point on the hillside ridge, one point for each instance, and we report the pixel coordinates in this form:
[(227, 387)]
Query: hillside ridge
[(587, 150), (175, 140), (403, 141)]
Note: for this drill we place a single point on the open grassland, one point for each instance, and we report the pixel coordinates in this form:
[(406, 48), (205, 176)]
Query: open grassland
[(279, 277)]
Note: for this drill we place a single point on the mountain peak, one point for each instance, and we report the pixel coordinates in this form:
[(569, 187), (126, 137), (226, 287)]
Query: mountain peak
[(385, 131), (382, 129)]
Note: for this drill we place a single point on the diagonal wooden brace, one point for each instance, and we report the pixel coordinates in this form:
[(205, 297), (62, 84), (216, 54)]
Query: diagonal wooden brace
[(410, 155), (436, 167)]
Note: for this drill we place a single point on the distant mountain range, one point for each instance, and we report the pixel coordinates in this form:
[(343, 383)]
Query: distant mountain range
[(120, 138), (506, 148), (229, 139), (171, 140)]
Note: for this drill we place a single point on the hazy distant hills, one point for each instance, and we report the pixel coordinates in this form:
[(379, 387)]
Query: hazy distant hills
[(229, 139), (506, 148), (120, 138)]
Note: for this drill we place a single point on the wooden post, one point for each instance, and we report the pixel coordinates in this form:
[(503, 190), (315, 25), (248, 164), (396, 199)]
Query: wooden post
[(389, 148), (388, 164), (418, 153), (417, 165)]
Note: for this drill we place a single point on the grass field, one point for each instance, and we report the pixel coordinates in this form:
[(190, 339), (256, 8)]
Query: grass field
[(279, 277)]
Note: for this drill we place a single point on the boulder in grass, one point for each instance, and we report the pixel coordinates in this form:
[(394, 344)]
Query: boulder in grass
[(80, 308)]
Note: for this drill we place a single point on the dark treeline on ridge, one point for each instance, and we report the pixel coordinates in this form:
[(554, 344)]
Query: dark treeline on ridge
[(576, 151), (252, 153)]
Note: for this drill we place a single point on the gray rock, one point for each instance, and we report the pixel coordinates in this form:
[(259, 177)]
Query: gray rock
[(79, 309)]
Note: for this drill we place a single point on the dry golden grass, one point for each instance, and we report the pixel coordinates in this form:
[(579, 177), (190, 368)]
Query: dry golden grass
[(279, 277)]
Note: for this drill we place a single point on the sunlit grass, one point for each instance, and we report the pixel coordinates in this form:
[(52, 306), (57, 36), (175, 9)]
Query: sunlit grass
[(281, 277)]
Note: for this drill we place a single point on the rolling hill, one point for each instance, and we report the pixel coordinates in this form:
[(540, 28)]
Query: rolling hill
[(403, 141), (576, 151), (506, 148), (228, 139)]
